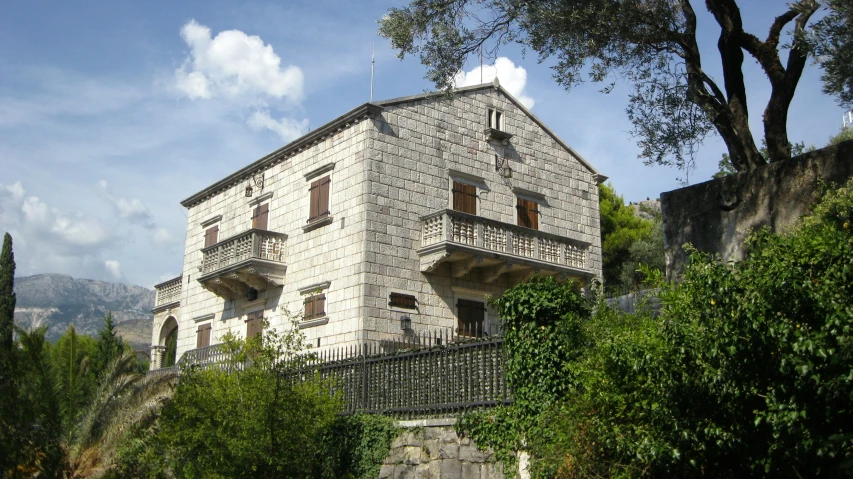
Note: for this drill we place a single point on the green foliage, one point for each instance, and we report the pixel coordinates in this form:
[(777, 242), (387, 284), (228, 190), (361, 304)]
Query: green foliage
[(76, 381), (833, 40), (843, 135), (354, 446), (110, 346), (9, 412), (171, 352), (543, 322), (620, 230), (250, 417)]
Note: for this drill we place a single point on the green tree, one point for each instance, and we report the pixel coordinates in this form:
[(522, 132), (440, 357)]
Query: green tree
[(249, 417), (110, 346), (620, 229), (726, 167), (834, 50), (745, 374), (653, 45), (71, 358), (9, 411)]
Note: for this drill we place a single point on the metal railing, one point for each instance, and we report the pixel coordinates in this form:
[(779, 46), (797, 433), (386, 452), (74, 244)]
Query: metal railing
[(254, 243), (419, 375), (168, 291), (466, 229)]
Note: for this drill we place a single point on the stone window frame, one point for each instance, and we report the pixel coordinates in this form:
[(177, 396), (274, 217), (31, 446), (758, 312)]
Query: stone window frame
[(249, 317), (312, 290), (495, 118), (255, 204), (466, 178), (489, 316), (207, 226), (317, 173), (204, 327)]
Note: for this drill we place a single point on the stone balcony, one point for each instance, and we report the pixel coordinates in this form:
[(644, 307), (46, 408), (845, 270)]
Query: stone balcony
[(250, 260), (168, 294), (481, 249)]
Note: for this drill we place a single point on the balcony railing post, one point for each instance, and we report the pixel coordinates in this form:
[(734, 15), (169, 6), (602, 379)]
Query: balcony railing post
[(509, 248), (446, 227), (536, 241), (256, 244), (563, 259), (479, 240)]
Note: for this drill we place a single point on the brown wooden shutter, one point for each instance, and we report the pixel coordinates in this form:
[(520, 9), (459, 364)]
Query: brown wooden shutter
[(203, 336), (315, 306), (471, 316), (260, 216), (528, 213), (211, 236), (319, 199), (254, 324), (464, 198)]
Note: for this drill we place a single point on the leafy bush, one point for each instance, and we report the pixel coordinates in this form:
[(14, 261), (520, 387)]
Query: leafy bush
[(748, 372), (254, 415), (354, 446)]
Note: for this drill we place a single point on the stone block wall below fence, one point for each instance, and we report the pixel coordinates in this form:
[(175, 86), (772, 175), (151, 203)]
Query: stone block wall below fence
[(432, 449), (432, 375), (716, 216)]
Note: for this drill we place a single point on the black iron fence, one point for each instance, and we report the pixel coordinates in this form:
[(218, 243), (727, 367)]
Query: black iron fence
[(431, 374)]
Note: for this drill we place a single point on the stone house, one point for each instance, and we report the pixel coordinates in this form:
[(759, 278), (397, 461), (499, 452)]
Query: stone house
[(396, 217)]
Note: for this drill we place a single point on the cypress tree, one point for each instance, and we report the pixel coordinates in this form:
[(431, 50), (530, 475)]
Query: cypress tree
[(9, 413), (110, 346), (7, 296)]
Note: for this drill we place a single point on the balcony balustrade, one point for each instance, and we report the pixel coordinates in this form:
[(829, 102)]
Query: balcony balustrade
[(168, 294), (253, 259), (490, 249)]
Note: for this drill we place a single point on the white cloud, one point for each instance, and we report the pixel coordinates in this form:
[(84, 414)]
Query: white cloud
[(162, 236), (114, 267), (60, 232), (130, 209), (511, 77), (234, 64), (287, 128)]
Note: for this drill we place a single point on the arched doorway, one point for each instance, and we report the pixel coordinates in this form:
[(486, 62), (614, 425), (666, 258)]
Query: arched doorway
[(169, 340)]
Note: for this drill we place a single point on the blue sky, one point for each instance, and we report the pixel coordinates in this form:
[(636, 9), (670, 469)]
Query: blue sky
[(113, 112)]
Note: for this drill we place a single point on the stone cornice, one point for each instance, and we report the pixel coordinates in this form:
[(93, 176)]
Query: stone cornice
[(367, 110)]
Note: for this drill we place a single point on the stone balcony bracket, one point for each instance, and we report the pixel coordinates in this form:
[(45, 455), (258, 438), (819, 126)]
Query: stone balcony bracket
[(484, 250), (254, 259), (498, 135)]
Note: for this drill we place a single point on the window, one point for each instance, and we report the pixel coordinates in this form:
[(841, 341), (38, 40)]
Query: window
[(401, 300), (203, 336), (254, 324), (464, 198), (211, 236), (315, 307), (319, 199), (471, 318), (495, 119), (260, 216), (528, 213)]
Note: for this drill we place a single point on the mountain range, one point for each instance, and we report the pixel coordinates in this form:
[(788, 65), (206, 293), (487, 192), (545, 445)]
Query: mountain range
[(58, 300)]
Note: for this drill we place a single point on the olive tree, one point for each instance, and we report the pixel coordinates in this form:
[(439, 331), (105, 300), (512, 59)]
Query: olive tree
[(652, 44)]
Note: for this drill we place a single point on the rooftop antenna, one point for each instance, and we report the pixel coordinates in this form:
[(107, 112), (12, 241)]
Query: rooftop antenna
[(372, 63)]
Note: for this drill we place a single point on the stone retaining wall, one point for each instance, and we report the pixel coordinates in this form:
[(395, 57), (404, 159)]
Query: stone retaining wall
[(432, 449), (716, 216)]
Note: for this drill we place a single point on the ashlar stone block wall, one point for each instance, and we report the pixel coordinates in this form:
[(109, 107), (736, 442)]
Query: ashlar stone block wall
[(433, 452), (415, 150)]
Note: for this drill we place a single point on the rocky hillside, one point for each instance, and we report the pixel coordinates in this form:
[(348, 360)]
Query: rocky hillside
[(57, 300)]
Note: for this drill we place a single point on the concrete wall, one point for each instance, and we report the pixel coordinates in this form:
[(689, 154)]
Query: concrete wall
[(716, 216), (437, 452)]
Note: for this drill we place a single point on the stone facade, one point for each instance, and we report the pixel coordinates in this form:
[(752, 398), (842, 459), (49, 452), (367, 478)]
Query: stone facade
[(391, 168)]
